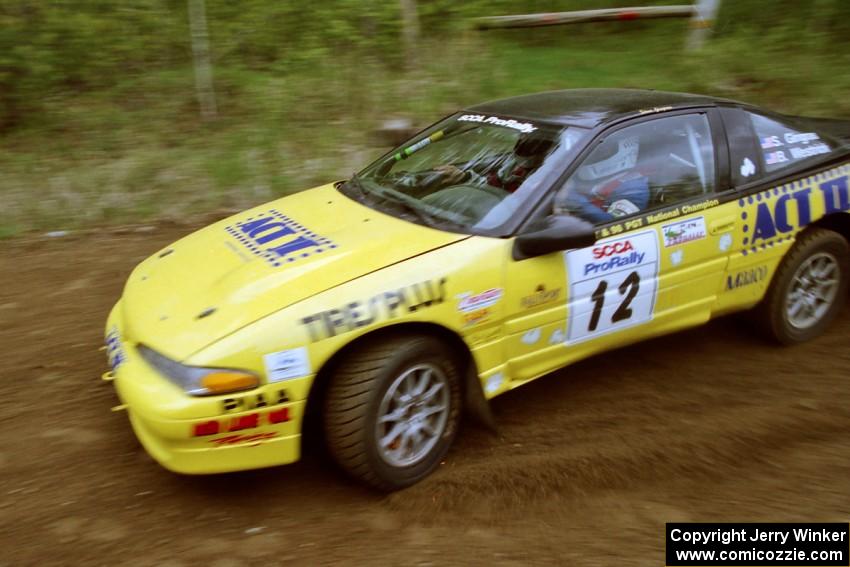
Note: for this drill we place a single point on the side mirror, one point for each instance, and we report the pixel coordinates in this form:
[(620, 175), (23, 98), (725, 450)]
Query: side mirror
[(557, 232)]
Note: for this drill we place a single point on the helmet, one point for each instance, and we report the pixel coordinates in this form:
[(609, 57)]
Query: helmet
[(617, 156), (534, 145)]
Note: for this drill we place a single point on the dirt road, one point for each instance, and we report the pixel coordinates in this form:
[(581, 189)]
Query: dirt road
[(590, 462)]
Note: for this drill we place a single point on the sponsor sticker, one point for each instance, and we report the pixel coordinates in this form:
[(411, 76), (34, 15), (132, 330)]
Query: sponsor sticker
[(287, 364), (388, 304), (556, 337), (239, 439), (114, 351), (474, 301), (241, 422), (476, 317), (746, 278), (677, 257), (541, 296), (494, 382), (683, 231), (531, 337)]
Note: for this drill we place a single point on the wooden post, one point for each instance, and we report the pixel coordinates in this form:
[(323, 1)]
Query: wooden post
[(410, 32), (201, 53), (704, 15)]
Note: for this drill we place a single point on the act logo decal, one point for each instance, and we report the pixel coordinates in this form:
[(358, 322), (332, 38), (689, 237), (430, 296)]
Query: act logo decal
[(277, 238), (793, 209)]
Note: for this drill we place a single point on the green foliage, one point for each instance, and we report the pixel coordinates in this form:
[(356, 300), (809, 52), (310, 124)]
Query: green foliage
[(99, 120)]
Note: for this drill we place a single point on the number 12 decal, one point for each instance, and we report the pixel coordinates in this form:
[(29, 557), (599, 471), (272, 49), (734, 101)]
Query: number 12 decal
[(629, 288), (612, 285)]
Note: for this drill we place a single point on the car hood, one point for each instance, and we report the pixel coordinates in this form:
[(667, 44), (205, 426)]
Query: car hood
[(232, 273)]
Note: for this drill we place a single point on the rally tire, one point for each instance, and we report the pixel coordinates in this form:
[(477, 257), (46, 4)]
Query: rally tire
[(817, 251), (364, 387)]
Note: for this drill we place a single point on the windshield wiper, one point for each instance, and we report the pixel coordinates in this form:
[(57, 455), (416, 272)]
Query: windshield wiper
[(428, 219), (425, 218)]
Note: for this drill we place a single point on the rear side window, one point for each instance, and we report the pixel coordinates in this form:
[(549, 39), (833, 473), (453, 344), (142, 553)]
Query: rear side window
[(744, 152), (785, 145)]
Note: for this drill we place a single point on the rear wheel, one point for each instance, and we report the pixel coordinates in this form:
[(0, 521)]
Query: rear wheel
[(809, 288), (392, 410)]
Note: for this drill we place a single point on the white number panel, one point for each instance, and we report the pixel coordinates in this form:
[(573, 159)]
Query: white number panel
[(612, 285)]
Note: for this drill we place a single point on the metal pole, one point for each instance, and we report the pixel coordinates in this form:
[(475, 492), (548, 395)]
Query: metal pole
[(583, 16), (705, 12), (201, 52)]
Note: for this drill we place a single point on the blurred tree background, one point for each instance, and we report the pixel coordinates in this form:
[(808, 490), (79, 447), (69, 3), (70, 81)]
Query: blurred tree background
[(99, 119)]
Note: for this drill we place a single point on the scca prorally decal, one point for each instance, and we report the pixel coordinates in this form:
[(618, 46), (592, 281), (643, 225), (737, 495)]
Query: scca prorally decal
[(683, 231), (474, 301), (277, 238), (782, 211), (746, 277), (385, 305), (611, 257), (524, 127)]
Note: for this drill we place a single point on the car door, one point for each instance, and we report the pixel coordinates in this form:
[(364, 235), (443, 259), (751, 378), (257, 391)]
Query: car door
[(651, 187)]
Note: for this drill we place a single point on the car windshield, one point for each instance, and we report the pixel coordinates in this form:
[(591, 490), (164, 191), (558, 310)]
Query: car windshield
[(469, 173)]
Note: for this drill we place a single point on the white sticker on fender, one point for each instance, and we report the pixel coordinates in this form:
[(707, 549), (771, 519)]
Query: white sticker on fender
[(287, 364), (612, 285)]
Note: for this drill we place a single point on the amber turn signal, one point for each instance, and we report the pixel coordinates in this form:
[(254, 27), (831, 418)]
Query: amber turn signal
[(222, 382)]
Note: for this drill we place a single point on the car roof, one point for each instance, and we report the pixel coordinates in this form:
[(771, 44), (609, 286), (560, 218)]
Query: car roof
[(590, 107)]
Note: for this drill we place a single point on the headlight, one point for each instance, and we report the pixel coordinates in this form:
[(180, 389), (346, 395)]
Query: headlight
[(198, 381)]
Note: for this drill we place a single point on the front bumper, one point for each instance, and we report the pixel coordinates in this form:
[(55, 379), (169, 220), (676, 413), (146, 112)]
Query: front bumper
[(202, 435)]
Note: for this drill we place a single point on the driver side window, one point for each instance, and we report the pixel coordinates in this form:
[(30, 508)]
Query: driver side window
[(642, 167)]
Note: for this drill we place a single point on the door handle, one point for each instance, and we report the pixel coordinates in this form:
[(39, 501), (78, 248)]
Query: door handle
[(721, 225)]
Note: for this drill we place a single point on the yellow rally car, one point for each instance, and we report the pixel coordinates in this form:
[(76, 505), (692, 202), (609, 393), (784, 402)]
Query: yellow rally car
[(501, 243)]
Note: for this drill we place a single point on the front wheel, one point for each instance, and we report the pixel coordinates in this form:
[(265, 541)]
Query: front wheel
[(809, 288), (392, 410)]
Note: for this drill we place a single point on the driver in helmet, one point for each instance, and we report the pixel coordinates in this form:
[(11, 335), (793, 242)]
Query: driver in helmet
[(529, 153), (609, 188)]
